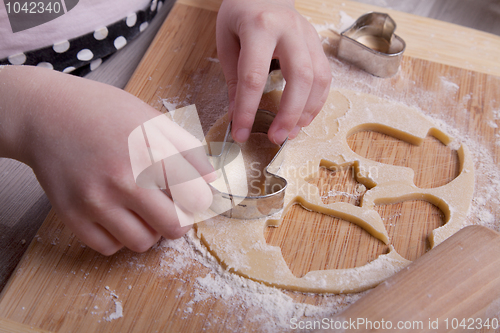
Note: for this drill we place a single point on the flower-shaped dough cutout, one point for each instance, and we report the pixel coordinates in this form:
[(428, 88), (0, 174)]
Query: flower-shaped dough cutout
[(241, 246)]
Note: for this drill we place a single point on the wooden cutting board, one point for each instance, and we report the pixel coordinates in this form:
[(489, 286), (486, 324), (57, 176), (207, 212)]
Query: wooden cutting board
[(455, 287), (62, 286)]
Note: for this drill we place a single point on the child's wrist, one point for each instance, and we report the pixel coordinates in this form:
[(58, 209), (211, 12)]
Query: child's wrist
[(18, 106)]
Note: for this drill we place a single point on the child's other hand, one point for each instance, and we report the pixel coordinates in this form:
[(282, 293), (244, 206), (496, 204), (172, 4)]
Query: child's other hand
[(74, 134), (249, 35)]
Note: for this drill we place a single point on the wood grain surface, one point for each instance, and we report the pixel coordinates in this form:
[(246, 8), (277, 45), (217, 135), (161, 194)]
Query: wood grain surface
[(60, 285), (10, 326), (425, 38), (443, 276)]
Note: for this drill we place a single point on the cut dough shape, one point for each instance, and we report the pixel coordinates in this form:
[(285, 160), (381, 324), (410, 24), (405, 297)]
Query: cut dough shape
[(240, 244)]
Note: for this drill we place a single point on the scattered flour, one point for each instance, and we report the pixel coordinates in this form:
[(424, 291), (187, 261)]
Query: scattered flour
[(271, 308), (345, 22), (492, 124), (118, 312), (496, 114), (335, 193), (449, 85), (118, 307), (485, 209), (172, 104)]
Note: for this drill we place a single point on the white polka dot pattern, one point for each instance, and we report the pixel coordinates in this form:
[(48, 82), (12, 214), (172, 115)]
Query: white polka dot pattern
[(61, 47), (131, 20), (95, 63), (17, 59), (120, 42), (45, 65), (101, 33), (85, 55), (87, 52), (143, 26), (68, 69)]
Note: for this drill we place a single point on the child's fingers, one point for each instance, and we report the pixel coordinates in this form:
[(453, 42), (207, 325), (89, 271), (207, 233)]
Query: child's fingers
[(161, 214), (169, 142), (315, 101), (191, 150), (189, 190), (197, 157), (321, 84), (294, 41), (228, 50), (308, 117), (297, 69), (253, 68), (180, 180), (129, 229), (186, 186), (94, 235)]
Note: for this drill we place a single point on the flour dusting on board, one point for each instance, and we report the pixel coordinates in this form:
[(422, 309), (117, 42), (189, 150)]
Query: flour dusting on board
[(448, 84), (344, 23), (485, 208), (118, 313), (271, 308), (172, 104)]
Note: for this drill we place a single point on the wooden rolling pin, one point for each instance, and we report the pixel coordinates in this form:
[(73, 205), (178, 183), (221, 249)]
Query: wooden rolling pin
[(455, 287)]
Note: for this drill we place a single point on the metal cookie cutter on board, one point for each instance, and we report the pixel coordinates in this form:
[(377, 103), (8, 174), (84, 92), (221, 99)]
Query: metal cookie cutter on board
[(250, 207), (370, 44)]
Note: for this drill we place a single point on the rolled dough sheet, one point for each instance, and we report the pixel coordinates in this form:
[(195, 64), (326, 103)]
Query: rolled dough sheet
[(240, 244)]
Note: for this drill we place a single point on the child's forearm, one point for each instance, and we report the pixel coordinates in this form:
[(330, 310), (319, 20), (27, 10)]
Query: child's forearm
[(28, 96), (74, 133), (15, 102)]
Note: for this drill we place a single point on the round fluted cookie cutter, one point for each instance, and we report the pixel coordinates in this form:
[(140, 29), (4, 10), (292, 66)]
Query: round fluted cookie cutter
[(370, 44)]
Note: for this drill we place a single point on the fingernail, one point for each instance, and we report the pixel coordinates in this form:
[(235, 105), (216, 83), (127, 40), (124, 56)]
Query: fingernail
[(242, 134), (295, 131), (280, 136), (210, 177), (309, 121)]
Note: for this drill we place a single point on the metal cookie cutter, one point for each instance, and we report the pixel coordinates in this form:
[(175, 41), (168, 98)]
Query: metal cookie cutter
[(250, 207), (370, 44)]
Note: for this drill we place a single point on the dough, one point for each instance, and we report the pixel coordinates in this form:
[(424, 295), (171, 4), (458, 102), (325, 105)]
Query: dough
[(240, 244)]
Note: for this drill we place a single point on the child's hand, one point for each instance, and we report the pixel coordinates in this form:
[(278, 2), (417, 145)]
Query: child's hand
[(74, 134), (249, 35)]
